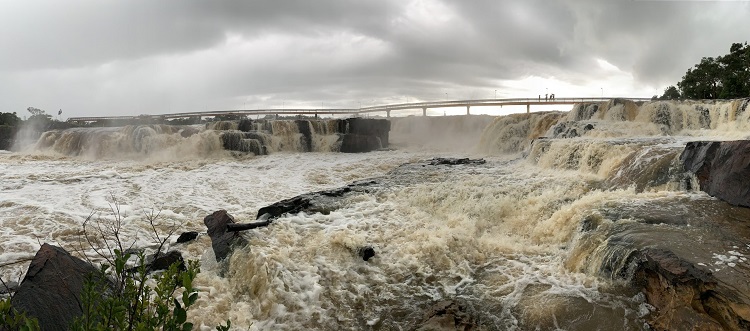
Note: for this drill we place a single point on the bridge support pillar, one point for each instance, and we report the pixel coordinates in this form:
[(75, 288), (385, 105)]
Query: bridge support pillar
[(387, 113), (467, 110), (424, 111), (316, 115), (528, 108)]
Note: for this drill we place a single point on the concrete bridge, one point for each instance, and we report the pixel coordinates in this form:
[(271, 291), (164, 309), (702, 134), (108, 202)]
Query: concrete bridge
[(528, 102)]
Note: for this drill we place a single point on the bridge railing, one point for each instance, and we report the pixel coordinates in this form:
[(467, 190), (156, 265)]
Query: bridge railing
[(361, 110)]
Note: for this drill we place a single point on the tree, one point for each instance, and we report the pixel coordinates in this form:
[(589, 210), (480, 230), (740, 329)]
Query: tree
[(736, 78), (702, 81), (10, 119), (725, 77), (37, 112), (670, 93)]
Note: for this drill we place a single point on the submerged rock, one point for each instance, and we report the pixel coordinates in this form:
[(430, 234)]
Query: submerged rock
[(447, 316), (455, 161), (51, 289), (722, 168)]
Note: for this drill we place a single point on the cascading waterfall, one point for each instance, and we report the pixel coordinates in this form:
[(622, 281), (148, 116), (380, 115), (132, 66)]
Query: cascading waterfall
[(550, 233), (245, 136)]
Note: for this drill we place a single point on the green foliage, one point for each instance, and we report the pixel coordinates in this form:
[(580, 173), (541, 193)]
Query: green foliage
[(724, 77), (10, 319), (670, 93), (9, 119), (130, 304)]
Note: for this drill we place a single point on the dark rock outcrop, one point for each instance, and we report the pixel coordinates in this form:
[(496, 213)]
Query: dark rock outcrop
[(685, 296), (447, 316), (569, 129), (221, 240), (722, 169), (316, 202), (379, 128), (51, 289), (454, 161), (187, 237), (245, 125), (366, 252), (354, 143), (164, 261)]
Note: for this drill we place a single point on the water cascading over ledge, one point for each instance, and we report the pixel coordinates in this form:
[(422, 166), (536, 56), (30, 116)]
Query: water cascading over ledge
[(647, 223), (351, 135), (261, 137)]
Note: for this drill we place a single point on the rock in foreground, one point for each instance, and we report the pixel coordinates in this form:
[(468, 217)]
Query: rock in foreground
[(51, 289)]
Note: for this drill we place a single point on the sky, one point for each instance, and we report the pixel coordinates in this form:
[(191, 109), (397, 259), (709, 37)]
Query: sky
[(104, 57)]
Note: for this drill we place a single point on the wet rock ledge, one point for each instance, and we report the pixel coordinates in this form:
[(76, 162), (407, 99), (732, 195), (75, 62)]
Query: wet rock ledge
[(722, 168)]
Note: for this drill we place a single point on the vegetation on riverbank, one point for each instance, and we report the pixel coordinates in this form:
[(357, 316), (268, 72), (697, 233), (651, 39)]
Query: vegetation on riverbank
[(723, 77)]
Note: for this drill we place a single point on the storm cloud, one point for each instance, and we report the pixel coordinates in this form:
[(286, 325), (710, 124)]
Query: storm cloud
[(131, 57)]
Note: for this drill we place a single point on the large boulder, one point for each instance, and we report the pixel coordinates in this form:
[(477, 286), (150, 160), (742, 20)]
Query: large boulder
[(51, 289), (722, 168), (221, 239)]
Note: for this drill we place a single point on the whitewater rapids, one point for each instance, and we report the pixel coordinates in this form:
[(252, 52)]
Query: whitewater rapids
[(510, 241)]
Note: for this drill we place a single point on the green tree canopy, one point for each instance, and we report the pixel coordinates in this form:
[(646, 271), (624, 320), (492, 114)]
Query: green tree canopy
[(724, 77)]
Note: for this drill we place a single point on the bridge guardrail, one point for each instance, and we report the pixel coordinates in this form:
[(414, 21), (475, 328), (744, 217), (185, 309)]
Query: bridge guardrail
[(362, 110)]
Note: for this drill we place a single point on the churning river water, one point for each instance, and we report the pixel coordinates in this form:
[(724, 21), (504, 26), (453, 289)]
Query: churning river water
[(510, 241)]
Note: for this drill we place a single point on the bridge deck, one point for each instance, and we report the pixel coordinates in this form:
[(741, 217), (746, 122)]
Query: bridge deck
[(364, 110)]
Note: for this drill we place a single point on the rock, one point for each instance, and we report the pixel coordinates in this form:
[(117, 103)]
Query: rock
[(221, 240), (379, 128), (188, 131), (8, 287), (354, 143), (685, 296), (315, 202), (187, 236), (164, 261), (291, 205), (245, 125), (722, 169), (569, 129), (453, 161), (366, 252), (51, 289), (447, 316)]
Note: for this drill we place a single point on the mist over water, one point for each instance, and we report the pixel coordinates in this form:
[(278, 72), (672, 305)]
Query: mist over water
[(536, 238)]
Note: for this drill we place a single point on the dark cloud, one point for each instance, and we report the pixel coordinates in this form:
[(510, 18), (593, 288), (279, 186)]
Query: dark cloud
[(152, 56)]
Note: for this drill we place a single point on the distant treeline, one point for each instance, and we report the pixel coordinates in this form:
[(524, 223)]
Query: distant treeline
[(723, 77)]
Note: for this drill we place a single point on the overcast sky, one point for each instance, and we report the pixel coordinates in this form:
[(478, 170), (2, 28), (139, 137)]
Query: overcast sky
[(100, 57)]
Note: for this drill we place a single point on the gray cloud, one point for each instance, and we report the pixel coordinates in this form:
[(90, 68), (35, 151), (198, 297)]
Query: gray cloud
[(156, 56)]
